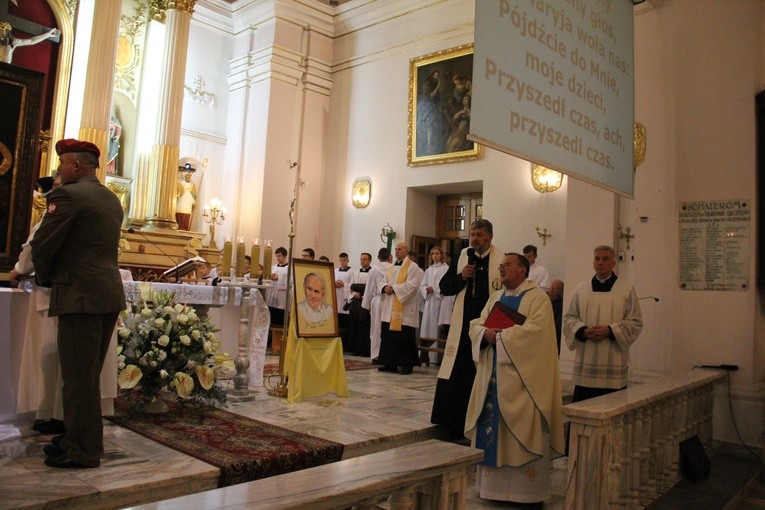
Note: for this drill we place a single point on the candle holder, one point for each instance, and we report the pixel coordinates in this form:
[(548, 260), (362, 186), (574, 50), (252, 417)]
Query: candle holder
[(214, 214)]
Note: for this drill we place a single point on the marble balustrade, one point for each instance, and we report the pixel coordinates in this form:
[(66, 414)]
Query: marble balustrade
[(624, 447), (427, 475)]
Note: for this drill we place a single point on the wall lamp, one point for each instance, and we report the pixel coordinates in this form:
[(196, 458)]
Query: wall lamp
[(545, 180), (361, 192)]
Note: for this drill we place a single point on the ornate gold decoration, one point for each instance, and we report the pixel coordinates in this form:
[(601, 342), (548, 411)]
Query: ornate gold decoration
[(361, 192), (545, 180), (121, 192), (64, 11), (158, 10), (186, 6), (7, 161), (129, 54), (71, 8), (638, 154)]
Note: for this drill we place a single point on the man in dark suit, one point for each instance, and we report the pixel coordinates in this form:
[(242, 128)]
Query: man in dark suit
[(75, 253)]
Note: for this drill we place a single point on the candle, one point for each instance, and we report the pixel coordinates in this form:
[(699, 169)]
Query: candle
[(240, 256), (227, 249), (267, 253), (254, 258)]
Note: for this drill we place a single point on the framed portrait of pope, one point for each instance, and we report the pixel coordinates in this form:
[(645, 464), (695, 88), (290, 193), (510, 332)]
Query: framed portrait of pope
[(315, 299)]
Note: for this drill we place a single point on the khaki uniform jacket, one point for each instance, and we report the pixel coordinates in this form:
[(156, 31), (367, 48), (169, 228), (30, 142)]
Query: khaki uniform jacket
[(75, 249)]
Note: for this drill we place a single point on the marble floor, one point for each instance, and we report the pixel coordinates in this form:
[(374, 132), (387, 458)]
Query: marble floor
[(384, 410)]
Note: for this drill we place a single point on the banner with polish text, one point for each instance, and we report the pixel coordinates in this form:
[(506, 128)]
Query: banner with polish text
[(553, 83)]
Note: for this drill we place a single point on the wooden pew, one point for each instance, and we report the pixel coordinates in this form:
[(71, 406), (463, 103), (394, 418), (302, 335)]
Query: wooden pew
[(428, 345), (430, 475)]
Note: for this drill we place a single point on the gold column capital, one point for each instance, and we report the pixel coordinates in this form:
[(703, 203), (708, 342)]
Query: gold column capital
[(186, 6), (158, 10)]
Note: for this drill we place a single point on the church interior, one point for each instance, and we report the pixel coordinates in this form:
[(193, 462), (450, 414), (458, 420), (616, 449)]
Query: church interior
[(289, 123)]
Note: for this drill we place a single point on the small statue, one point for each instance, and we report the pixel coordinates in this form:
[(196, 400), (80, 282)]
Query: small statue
[(8, 42)]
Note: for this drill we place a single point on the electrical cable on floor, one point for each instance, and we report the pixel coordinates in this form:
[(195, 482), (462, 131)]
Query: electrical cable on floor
[(735, 426)]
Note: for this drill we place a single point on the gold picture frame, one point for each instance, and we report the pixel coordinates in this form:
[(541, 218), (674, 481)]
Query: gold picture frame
[(440, 86), (315, 299)]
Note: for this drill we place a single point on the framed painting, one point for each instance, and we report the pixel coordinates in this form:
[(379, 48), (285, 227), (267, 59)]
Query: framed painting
[(315, 299), (440, 88), (20, 95)]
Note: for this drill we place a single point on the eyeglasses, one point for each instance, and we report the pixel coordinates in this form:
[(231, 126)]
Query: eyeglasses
[(506, 265)]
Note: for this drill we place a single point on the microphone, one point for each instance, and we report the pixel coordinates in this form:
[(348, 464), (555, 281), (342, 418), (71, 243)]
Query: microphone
[(472, 260), (131, 230)]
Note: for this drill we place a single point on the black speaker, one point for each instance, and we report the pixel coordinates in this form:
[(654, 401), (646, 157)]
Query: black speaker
[(693, 459)]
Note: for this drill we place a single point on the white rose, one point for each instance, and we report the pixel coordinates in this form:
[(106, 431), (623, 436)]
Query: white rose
[(208, 347), (152, 363), (121, 365), (178, 308), (159, 322), (182, 318), (163, 373), (146, 312), (185, 339), (124, 332), (121, 358), (162, 355), (163, 340), (192, 316), (167, 310), (196, 335)]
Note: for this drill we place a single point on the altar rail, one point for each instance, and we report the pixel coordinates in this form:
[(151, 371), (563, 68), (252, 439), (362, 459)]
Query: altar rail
[(431, 474), (624, 447)]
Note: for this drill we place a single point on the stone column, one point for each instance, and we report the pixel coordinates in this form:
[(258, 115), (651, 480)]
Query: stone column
[(99, 82), (163, 163)]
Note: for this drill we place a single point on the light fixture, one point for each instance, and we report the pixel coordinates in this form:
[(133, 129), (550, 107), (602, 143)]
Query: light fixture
[(545, 180), (361, 192)]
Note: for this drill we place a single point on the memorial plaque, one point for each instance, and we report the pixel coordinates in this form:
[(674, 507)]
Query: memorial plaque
[(715, 245)]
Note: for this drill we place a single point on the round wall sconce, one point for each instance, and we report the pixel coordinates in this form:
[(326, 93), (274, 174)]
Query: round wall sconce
[(545, 180), (361, 192)]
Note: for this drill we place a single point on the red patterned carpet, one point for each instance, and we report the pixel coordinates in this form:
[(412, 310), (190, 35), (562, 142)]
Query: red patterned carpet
[(244, 449)]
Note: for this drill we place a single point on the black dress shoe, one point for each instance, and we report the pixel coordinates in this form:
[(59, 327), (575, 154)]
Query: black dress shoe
[(387, 369), (375, 361), (406, 370), (53, 450), (64, 462), (57, 439), (52, 426)]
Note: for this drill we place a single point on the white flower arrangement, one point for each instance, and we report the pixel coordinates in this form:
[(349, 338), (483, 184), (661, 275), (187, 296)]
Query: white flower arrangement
[(165, 345)]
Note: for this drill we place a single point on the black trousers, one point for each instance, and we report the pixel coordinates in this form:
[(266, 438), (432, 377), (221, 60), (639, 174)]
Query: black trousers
[(83, 340)]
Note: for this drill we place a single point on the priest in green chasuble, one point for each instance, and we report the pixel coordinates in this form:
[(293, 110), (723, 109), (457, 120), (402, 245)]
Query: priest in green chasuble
[(515, 413)]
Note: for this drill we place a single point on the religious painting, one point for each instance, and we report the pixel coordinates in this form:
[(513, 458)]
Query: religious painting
[(20, 95), (315, 298), (440, 94)]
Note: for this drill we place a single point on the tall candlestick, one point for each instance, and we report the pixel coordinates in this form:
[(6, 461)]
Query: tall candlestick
[(255, 259), (240, 256), (267, 254), (227, 252)]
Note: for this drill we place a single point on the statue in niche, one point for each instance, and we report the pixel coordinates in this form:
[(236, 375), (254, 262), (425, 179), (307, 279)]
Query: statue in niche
[(186, 192), (115, 131), (8, 43)]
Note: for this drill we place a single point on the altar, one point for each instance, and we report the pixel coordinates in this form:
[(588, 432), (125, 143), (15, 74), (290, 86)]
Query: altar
[(222, 304)]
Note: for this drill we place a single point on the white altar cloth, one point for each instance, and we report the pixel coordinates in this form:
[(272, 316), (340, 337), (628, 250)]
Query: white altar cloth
[(223, 311)]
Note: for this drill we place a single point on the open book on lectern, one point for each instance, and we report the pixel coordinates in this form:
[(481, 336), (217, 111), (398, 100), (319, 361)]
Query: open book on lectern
[(183, 268)]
